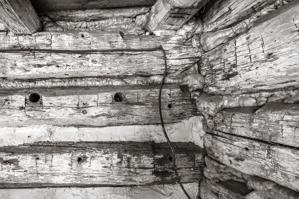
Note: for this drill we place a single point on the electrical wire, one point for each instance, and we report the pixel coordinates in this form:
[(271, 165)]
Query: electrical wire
[(163, 125)]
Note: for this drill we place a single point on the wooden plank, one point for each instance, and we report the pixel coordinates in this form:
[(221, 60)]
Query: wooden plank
[(91, 107), (127, 20), (263, 59), (272, 162), (97, 164), (172, 14), (19, 16), (146, 192), (188, 130), (44, 6), (273, 123), (37, 65)]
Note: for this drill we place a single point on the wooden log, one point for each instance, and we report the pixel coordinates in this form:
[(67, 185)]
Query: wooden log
[(97, 164), (129, 20), (188, 130), (273, 123), (172, 14), (263, 59), (146, 192), (19, 16), (272, 162), (45, 6), (224, 14), (94, 108)]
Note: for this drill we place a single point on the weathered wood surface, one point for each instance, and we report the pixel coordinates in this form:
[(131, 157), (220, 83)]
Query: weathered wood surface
[(188, 130), (37, 65), (272, 123), (265, 58), (172, 14), (97, 164), (244, 19), (225, 182), (129, 20), (19, 16), (145, 192), (225, 13), (272, 162), (44, 6), (92, 107)]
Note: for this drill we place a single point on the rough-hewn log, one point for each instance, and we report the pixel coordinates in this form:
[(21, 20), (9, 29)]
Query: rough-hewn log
[(145, 192), (273, 123), (93, 107), (130, 20), (189, 130), (97, 164), (263, 59), (224, 14), (19, 16), (172, 14), (276, 163), (44, 6)]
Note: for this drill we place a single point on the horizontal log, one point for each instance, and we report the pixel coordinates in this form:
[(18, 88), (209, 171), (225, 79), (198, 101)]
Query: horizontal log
[(19, 16), (263, 59), (273, 123), (45, 6), (147, 192), (189, 130), (29, 65), (91, 107), (97, 164), (130, 20), (271, 162)]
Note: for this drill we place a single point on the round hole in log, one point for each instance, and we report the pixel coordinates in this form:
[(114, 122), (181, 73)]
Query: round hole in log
[(169, 106), (34, 97), (79, 159), (118, 97)]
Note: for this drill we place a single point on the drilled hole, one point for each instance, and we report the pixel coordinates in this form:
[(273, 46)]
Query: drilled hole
[(79, 159), (82, 35), (118, 97), (169, 106), (247, 149), (34, 97), (170, 158)]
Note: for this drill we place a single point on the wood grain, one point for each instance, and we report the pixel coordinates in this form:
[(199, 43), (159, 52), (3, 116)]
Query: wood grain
[(97, 164), (272, 162), (263, 59), (19, 16)]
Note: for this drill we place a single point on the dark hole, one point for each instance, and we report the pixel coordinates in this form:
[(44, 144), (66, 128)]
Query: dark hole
[(118, 97), (169, 106), (34, 97), (82, 35), (170, 158), (246, 149), (79, 159)]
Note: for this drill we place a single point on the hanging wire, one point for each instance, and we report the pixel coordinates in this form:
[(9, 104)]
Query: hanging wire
[(163, 125)]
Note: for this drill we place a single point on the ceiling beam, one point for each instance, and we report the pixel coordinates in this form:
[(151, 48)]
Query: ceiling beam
[(19, 16), (172, 14)]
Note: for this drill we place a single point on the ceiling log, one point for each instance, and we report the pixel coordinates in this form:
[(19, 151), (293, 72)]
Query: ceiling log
[(19, 16)]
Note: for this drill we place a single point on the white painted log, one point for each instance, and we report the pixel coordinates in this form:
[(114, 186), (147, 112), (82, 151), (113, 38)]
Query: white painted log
[(144, 192), (19, 16), (266, 58), (97, 164), (272, 162), (189, 130), (273, 123), (94, 108)]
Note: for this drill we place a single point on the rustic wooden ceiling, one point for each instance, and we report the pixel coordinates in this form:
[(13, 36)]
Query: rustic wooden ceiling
[(54, 5)]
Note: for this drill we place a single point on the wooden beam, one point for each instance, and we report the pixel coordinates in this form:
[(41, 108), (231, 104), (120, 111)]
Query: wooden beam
[(19, 16), (97, 164), (172, 14), (273, 123), (269, 161), (265, 58), (146, 192)]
